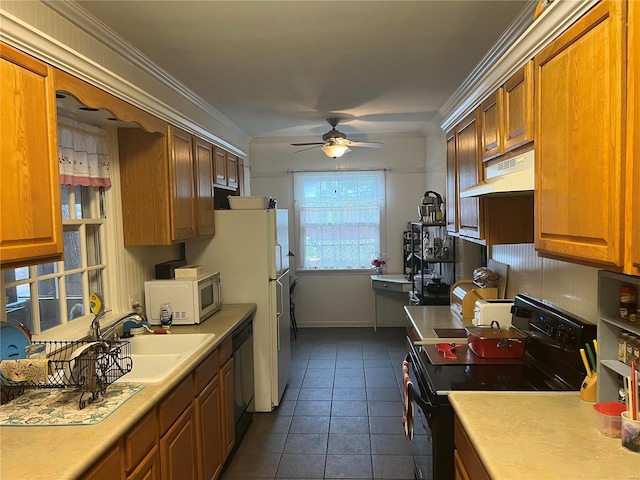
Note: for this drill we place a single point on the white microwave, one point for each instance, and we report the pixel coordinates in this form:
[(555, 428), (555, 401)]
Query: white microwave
[(191, 300)]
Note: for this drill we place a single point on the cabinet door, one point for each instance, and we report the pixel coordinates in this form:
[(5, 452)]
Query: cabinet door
[(460, 471), (491, 124), (211, 451), (469, 174), (204, 187), (633, 137), (183, 222), (220, 167), (109, 468), (178, 449), (30, 215), (240, 176), (518, 108), (578, 140), (228, 405), (451, 204), (232, 170), (148, 468)]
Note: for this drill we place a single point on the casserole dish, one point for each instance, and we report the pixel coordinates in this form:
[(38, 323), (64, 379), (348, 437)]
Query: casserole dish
[(491, 341)]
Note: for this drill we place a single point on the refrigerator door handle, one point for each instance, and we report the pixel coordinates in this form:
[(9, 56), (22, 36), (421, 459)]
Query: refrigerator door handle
[(279, 266), (281, 309)]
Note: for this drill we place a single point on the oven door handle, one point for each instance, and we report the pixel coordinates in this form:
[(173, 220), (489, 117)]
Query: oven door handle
[(415, 396)]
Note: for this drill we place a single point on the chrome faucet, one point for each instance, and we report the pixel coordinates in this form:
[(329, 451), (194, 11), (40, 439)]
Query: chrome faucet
[(137, 316)]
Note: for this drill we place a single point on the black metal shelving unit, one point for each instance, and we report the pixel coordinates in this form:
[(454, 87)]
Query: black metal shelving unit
[(427, 250)]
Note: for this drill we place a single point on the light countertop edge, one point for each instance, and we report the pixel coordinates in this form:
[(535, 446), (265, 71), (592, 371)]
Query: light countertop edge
[(535, 435), (45, 452), (425, 318)]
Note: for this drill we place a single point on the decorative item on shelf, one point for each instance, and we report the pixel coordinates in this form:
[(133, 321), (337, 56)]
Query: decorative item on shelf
[(379, 264)]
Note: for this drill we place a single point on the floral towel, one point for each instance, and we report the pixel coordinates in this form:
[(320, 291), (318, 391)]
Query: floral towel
[(58, 406), (407, 411)]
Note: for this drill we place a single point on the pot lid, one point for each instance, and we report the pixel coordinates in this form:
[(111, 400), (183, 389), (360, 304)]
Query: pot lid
[(492, 331)]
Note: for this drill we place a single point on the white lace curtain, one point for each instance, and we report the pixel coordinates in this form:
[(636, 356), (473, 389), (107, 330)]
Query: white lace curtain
[(83, 155)]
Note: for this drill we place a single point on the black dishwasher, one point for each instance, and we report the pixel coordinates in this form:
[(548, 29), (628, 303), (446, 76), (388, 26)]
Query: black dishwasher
[(242, 341)]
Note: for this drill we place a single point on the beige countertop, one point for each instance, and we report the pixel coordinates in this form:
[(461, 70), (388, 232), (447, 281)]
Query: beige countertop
[(425, 318), (393, 278), (541, 435), (62, 452)]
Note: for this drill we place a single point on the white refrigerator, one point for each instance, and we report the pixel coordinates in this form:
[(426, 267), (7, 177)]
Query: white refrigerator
[(250, 249)]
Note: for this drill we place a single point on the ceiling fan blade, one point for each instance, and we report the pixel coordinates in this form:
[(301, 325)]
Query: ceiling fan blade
[(310, 148), (366, 144), (305, 144)]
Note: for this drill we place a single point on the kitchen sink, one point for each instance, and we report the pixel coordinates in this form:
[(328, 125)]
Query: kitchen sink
[(155, 357), (167, 344)]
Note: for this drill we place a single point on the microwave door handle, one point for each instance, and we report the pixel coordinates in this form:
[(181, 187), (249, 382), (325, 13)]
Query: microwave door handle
[(219, 293)]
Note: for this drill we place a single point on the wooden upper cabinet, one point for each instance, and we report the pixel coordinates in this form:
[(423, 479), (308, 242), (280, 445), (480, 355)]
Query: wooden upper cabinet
[(451, 201), (30, 212), (232, 170), (469, 173), (632, 263), (241, 190), (220, 166), (183, 199), (203, 153), (518, 108), (579, 88), (491, 123)]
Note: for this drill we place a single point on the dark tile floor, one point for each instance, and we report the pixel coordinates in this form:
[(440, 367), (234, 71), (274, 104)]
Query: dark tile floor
[(341, 413)]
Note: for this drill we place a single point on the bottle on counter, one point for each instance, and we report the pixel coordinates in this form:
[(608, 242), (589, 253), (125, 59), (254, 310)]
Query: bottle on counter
[(166, 316)]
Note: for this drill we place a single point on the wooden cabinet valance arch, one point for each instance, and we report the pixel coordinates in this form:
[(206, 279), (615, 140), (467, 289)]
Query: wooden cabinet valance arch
[(92, 96)]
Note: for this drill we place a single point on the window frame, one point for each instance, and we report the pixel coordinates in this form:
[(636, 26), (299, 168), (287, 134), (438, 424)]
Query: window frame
[(298, 228)]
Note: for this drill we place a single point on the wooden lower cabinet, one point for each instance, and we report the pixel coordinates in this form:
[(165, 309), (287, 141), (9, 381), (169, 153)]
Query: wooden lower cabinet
[(467, 463), (178, 449), (109, 467), (208, 409), (149, 467)]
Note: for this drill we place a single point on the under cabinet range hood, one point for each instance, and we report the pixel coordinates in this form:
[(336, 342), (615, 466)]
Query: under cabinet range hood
[(514, 175)]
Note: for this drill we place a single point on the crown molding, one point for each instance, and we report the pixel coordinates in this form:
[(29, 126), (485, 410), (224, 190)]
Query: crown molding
[(40, 45), (521, 42)]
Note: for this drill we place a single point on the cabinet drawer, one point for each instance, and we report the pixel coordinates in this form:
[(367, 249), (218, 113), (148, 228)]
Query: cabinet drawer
[(140, 440), (391, 286), (204, 372), (226, 349), (175, 403)]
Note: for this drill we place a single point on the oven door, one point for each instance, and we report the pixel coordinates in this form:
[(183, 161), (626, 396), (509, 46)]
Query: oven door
[(433, 445)]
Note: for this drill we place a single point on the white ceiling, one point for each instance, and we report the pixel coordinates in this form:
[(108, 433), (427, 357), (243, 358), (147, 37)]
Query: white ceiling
[(279, 68)]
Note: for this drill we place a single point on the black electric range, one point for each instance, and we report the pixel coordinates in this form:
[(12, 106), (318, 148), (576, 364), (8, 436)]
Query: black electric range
[(552, 362)]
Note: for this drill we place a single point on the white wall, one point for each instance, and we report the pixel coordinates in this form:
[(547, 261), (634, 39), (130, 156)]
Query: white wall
[(343, 299)]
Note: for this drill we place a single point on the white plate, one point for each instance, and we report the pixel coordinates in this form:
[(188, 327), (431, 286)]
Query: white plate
[(70, 371)]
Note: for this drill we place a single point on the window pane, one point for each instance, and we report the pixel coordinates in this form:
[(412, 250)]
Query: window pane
[(75, 306), (80, 202), (19, 307), (49, 300), (94, 256), (47, 268), (64, 199), (95, 281), (13, 274), (72, 257)]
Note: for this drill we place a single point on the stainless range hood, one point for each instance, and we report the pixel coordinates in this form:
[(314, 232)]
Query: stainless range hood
[(515, 176)]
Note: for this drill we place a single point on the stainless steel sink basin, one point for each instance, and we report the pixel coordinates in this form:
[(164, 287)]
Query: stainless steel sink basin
[(155, 357)]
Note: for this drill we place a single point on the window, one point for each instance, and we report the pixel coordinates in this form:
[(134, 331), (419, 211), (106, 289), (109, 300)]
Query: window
[(340, 219), (47, 295)]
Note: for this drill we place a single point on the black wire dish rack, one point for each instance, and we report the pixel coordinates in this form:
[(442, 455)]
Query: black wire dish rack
[(84, 365)]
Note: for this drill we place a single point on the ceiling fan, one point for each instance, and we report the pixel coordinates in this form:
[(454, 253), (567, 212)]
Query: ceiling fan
[(335, 143)]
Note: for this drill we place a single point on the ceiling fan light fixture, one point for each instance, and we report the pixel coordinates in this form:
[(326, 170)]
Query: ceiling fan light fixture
[(334, 150)]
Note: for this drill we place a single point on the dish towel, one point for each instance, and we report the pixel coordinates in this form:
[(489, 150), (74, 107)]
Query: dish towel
[(407, 411), (35, 370)]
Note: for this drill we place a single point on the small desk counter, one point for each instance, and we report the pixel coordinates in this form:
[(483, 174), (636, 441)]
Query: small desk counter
[(541, 435), (391, 294), (425, 319)]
